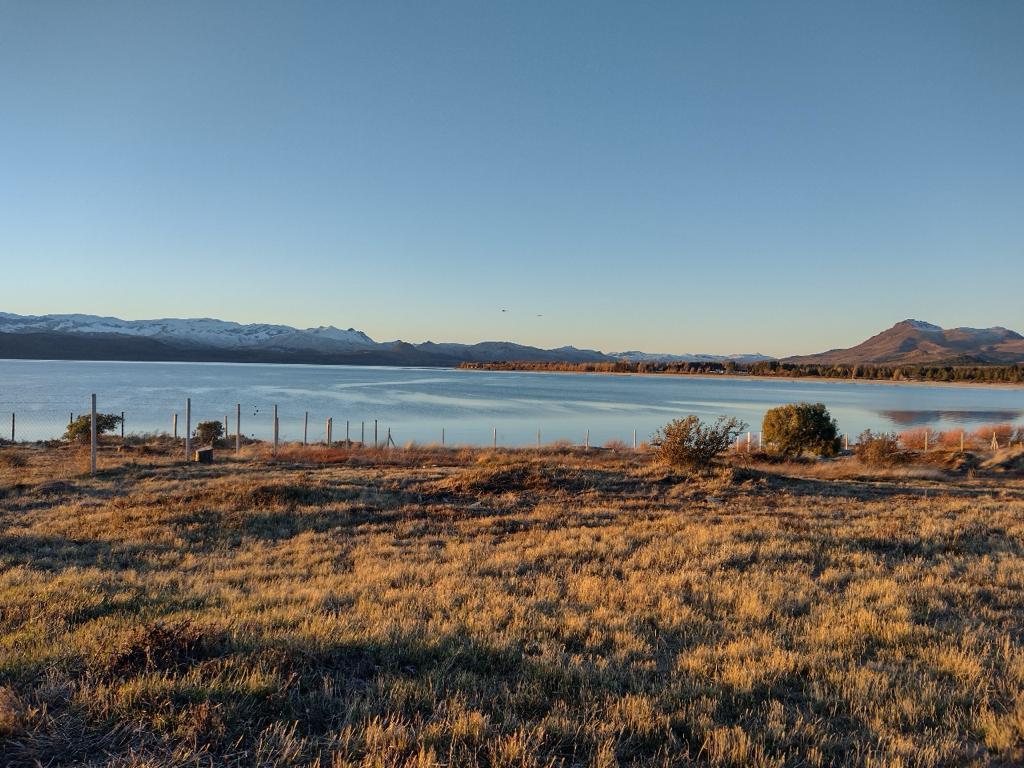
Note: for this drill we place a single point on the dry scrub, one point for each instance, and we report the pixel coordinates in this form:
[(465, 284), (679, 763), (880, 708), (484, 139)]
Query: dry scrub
[(430, 607)]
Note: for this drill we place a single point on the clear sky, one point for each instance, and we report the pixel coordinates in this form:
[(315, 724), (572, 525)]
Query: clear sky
[(706, 177)]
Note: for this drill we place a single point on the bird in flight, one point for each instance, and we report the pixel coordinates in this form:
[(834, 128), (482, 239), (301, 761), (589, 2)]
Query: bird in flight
[(504, 310)]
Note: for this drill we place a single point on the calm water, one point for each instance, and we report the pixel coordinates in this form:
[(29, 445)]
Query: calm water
[(416, 403)]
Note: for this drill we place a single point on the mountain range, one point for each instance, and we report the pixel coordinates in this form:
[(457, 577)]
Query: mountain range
[(90, 337)]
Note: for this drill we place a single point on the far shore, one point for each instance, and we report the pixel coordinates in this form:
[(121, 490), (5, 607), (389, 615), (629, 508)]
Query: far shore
[(752, 377)]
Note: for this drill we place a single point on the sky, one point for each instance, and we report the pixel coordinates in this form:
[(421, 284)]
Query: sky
[(729, 177)]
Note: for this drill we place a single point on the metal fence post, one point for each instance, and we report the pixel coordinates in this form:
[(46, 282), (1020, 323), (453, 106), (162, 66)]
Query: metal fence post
[(188, 429), (92, 437), (305, 429)]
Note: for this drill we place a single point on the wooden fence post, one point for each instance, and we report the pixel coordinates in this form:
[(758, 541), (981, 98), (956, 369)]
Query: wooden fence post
[(494, 438), (362, 434), (276, 423), (122, 427), (174, 424), (375, 446), (238, 427), (12, 427), (634, 439), (92, 437), (305, 429), (188, 429)]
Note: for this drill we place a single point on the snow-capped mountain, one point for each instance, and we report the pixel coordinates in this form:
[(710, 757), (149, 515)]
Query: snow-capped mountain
[(91, 337), (206, 331)]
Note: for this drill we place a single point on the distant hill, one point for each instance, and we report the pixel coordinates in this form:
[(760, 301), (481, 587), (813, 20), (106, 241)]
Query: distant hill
[(913, 342), (91, 337)]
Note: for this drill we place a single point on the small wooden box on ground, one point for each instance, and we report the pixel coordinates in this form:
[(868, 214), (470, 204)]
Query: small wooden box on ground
[(203, 455)]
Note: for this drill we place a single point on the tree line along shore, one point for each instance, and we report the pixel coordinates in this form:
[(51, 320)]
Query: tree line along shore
[(984, 374)]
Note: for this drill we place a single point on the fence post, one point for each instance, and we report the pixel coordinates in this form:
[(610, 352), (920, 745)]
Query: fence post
[(227, 429), (238, 427), (362, 434), (188, 429), (846, 441), (494, 438), (961, 441), (375, 434), (926, 439), (275, 429), (750, 439), (347, 441), (174, 423), (586, 443), (71, 418), (305, 429), (12, 427), (92, 437), (442, 437), (634, 439), (538, 438), (330, 430), (760, 441), (122, 426)]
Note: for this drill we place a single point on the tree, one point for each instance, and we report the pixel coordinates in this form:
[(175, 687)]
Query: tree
[(80, 430), (798, 427), (691, 444), (209, 432)]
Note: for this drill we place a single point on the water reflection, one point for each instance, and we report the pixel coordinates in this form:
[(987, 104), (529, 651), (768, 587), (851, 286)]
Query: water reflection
[(920, 418)]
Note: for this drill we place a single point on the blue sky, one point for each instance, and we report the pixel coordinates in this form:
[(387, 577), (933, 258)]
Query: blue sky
[(715, 177)]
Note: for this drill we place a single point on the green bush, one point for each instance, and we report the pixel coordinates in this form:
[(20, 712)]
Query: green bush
[(798, 427), (691, 444), (209, 432), (880, 449), (80, 429)]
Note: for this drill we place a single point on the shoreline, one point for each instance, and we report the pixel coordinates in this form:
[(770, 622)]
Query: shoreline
[(753, 377)]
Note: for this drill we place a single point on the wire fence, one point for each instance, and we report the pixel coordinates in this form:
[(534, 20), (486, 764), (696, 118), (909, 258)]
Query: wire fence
[(66, 432)]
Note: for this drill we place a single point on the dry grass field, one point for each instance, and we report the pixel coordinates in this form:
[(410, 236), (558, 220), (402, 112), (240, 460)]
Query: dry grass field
[(501, 608)]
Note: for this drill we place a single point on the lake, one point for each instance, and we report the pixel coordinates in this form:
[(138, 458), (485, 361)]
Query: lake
[(417, 403)]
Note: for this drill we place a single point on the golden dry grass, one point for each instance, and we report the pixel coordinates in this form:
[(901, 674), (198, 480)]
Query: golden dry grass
[(429, 607)]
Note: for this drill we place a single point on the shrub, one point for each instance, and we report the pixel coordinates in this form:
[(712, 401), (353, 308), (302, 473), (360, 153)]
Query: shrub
[(208, 432), (919, 439), (13, 459), (798, 427), (80, 429), (1003, 434), (691, 444), (880, 449)]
